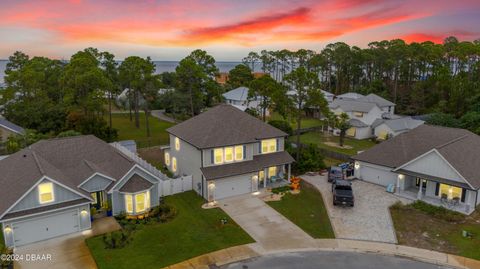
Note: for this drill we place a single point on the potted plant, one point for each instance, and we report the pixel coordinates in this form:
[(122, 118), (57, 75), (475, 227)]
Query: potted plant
[(93, 211), (108, 207)]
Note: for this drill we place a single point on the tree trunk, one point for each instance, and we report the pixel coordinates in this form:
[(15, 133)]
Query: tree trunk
[(137, 116), (110, 111), (342, 137), (147, 123)]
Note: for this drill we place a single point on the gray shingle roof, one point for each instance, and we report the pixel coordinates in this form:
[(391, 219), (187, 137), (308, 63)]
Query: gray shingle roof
[(458, 146), (350, 95), (258, 163), (238, 94), (11, 126), (373, 98), (352, 105), (405, 123), (68, 160), (357, 123), (135, 184), (221, 126)]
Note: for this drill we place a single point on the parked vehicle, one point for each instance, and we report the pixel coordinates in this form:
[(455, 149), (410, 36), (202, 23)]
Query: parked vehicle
[(342, 193), (335, 173)]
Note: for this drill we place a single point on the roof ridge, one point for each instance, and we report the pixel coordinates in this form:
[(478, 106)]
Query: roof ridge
[(37, 162), (452, 141)]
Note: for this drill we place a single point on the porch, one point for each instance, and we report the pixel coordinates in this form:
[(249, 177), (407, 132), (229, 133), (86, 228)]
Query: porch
[(454, 205), (274, 176)]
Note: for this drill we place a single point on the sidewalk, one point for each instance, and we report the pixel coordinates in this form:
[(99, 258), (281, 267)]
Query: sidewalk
[(243, 252)]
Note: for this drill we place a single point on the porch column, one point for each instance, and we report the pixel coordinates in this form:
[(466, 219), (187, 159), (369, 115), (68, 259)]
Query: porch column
[(419, 195), (288, 172), (265, 177)]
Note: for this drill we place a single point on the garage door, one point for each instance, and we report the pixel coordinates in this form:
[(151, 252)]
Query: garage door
[(225, 188), (45, 227), (377, 176)]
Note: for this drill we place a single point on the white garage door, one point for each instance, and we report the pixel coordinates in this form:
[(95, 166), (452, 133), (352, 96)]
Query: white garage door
[(229, 187), (377, 175), (45, 227)]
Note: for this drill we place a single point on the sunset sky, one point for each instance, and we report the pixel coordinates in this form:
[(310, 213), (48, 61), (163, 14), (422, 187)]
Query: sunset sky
[(169, 30)]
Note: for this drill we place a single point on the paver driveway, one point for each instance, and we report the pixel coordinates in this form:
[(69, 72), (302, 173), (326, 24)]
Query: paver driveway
[(369, 219), (270, 229)]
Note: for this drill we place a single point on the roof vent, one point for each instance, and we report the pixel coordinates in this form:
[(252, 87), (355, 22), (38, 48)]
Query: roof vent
[(24, 155)]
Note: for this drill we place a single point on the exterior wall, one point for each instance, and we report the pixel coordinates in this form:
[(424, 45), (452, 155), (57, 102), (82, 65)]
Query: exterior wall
[(249, 152), (5, 133), (383, 128), (189, 161), (363, 133), (376, 174), (120, 198), (478, 197), (96, 183), (31, 200), (430, 190), (372, 115)]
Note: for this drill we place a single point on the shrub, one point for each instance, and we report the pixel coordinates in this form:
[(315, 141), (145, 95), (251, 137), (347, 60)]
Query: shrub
[(282, 125), (117, 239), (311, 159), (281, 189), (438, 211)]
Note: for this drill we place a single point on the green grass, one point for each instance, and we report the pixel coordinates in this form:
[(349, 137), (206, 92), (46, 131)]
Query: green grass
[(305, 123), (127, 131), (331, 161), (193, 232), (318, 139), (306, 210)]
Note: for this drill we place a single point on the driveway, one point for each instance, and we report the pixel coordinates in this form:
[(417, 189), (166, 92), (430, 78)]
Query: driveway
[(369, 219), (160, 114), (270, 229), (67, 252)]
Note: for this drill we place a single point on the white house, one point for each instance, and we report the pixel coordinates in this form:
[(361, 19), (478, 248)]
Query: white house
[(239, 98), (386, 128), (435, 164)]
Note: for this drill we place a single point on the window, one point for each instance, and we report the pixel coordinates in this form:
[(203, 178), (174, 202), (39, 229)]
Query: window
[(358, 114), (238, 153), (128, 203), (94, 197), (45, 193), (229, 154), (218, 156), (167, 159), (140, 202), (272, 171), (177, 143), (269, 145), (174, 164), (450, 191)]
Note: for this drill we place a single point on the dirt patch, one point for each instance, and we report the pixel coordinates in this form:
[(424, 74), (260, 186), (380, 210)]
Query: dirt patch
[(336, 145), (153, 155)]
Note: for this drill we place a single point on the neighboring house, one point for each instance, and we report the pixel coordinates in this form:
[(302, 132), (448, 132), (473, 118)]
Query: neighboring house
[(386, 106), (349, 96), (438, 165), (8, 129), (48, 188), (239, 98), (227, 152), (328, 96), (387, 128)]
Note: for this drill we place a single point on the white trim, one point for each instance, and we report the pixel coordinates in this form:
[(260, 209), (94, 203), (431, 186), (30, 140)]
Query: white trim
[(129, 171), (133, 193), (441, 156), (20, 133), (95, 174), (44, 212)]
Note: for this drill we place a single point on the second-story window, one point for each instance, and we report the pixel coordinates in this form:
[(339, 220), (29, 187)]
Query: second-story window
[(177, 143), (239, 153), (167, 159), (229, 154), (218, 156), (269, 145)]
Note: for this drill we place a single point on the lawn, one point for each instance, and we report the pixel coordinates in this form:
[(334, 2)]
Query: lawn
[(305, 123), (319, 139), (306, 210), (127, 131), (417, 228), (331, 161), (193, 232)]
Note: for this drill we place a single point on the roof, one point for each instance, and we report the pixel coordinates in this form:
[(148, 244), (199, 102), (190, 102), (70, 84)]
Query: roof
[(258, 163), (45, 208), (327, 93), (400, 124), (223, 125), (459, 147), (373, 98), (135, 184), (238, 94), (69, 161), (11, 126), (350, 95), (352, 105), (357, 123)]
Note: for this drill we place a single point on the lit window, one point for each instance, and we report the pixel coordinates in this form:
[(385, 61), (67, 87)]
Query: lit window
[(218, 156), (229, 154), (167, 159), (450, 191), (140, 202), (128, 203), (269, 145), (177, 143), (94, 197), (45, 193), (238, 153), (174, 164), (272, 171)]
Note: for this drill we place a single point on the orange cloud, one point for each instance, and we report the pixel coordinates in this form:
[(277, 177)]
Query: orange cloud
[(438, 38)]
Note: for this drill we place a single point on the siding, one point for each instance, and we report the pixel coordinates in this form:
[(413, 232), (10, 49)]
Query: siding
[(5, 133), (31, 200), (188, 162), (96, 183)]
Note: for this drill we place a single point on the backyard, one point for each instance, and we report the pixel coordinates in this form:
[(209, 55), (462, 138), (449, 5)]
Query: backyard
[(127, 131), (305, 123), (306, 210), (319, 139), (193, 232), (429, 227)]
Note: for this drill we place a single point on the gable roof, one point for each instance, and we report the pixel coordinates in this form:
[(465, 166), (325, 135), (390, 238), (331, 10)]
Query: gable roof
[(238, 94), (373, 98), (459, 147), (135, 184), (223, 125), (400, 124), (357, 123), (348, 105), (68, 161), (11, 126), (350, 95)]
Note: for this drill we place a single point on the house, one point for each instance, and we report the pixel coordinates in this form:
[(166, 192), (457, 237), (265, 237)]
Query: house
[(386, 128), (349, 96), (431, 163), (8, 129), (48, 188), (385, 105), (239, 98), (227, 152)]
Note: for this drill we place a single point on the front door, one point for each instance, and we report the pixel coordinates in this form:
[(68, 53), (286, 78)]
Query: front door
[(261, 178), (97, 199)]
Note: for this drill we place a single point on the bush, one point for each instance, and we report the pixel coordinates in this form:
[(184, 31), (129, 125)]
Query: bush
[(282, 125), (117, 239), (438, 211), (281, 189), (311, 159)]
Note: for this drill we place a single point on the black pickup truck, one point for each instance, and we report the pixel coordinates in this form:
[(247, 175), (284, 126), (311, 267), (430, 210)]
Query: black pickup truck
[(342, 193)]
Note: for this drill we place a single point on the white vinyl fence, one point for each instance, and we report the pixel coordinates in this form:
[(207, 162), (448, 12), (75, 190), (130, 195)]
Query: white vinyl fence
[(167, 185)]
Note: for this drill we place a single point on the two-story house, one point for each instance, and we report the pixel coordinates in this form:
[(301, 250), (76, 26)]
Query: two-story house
[(228, 152)]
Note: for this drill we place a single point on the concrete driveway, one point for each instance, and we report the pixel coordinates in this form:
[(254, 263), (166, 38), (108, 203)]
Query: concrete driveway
[(370, 218), (67, 252), (270, 229)]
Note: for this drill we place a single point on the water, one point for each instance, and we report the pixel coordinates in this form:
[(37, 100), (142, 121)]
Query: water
[(161, 66)]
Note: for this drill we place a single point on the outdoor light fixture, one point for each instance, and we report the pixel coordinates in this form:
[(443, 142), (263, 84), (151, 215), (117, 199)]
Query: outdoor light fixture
[(8, 229), (357, 165), (400, 176), (83, 212)]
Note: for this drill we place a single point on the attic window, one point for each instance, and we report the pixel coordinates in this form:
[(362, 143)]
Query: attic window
[(45, 193)]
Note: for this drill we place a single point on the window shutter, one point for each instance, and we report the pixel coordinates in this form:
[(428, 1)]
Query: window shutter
[(464, 192), (244, 152), (278, 143), (211, 156), (437, 189), (260, 147)]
